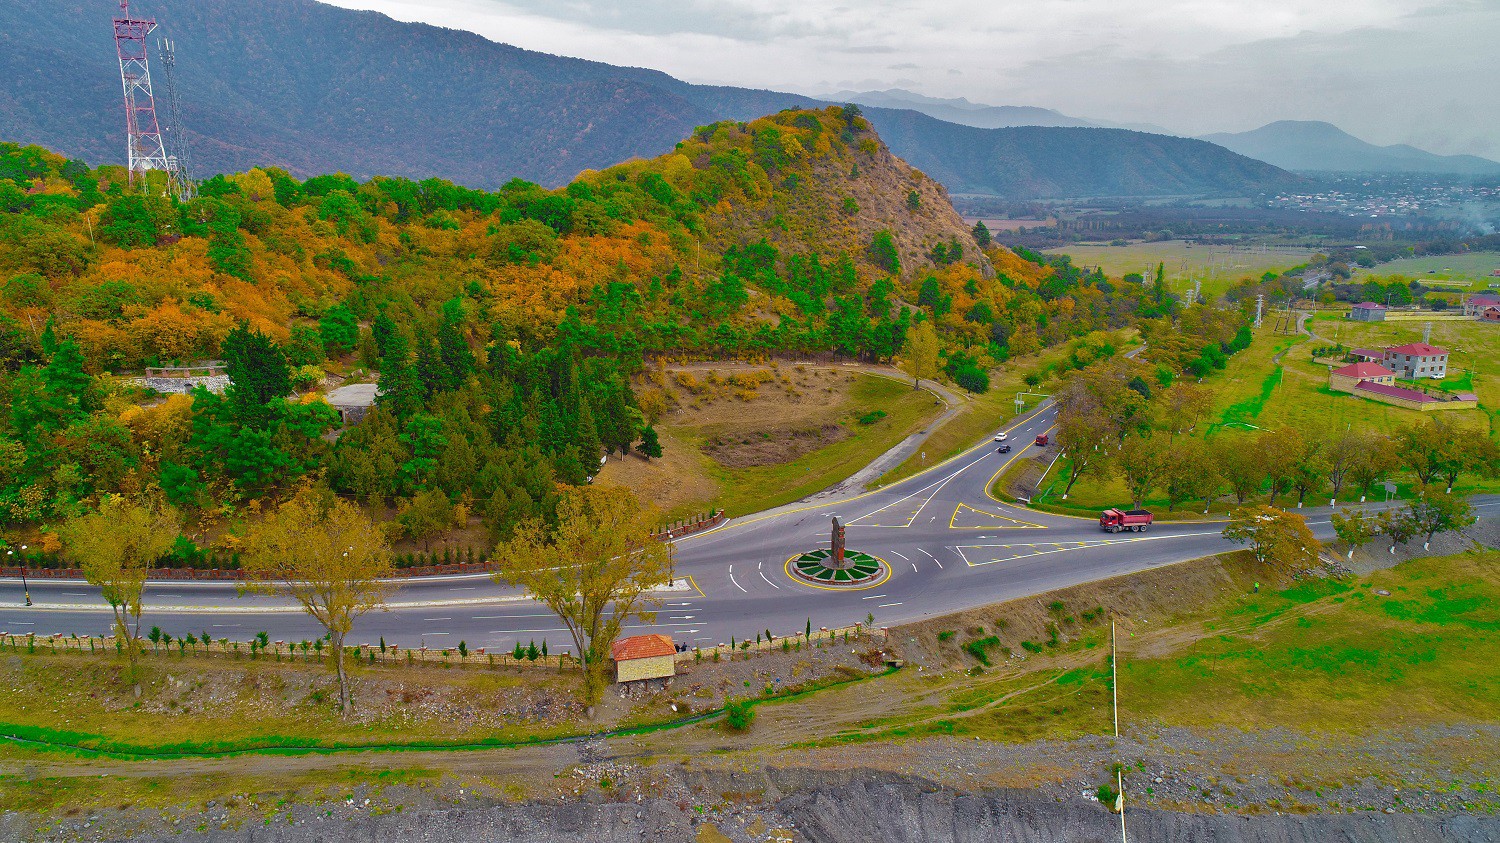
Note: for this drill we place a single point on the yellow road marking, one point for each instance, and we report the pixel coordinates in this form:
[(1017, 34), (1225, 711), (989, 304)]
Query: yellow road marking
[(1013, 523)]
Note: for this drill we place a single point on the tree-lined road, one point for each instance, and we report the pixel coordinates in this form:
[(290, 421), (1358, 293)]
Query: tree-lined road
[(949, 546)]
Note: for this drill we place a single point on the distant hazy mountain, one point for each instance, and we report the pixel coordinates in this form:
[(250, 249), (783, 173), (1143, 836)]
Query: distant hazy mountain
[(979, 115), (320, 88), (1042, 162), (960, 110), (1311, 145)]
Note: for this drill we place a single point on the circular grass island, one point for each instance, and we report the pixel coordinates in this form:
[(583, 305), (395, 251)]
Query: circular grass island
[(861, 570)]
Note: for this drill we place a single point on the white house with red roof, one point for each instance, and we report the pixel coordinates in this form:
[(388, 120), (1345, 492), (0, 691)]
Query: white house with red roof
[(1484, 307), (1417, 360)]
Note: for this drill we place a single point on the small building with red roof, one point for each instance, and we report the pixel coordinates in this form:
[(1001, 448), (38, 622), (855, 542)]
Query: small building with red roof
[(642, 657), (1368, 355), (1417, 360), (1475, 306), (1349, 377)]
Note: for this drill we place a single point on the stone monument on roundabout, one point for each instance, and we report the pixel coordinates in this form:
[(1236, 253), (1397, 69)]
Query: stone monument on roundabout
[(836, 566)]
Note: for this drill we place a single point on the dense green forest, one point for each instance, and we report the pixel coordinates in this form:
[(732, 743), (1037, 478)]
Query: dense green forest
[(505, 326)]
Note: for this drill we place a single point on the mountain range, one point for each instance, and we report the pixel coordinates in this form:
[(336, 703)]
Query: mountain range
[(1311, 145), (1069, 162), (317, 88), (980, 116)]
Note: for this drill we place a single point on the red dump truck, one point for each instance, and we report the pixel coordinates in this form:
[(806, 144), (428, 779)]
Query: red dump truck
[(1115, 520)]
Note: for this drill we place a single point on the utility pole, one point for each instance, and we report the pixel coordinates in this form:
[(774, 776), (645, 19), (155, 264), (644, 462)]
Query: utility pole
[(1260, 305), (179, 165), (144, 150)]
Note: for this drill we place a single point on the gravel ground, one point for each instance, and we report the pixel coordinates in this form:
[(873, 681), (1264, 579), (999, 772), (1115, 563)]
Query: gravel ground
[(1376, 555)]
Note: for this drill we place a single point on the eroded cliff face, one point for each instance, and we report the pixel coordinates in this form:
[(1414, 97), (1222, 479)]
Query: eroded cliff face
[(818, 807)]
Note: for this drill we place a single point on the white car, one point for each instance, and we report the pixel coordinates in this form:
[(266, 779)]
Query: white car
[(1000, 437)]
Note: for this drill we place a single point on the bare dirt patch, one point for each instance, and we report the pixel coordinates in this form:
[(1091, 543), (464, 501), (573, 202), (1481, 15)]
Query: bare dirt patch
[(770, 447)]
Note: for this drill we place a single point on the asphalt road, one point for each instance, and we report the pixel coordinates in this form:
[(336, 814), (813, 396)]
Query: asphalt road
[(948, 544)]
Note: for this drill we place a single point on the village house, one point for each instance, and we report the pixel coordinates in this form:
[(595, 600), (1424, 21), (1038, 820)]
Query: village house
[(1351, 376), (1367, 312), (1417, 360), (1485, 308)]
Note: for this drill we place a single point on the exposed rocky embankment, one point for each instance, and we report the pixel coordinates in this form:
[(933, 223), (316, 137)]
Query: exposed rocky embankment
[(819, 807)]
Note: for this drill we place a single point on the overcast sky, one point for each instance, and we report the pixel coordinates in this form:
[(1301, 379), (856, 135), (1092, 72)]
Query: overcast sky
[(1417, 71)]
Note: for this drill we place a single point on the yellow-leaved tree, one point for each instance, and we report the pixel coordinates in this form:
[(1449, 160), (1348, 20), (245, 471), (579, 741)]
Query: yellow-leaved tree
[(1279, 539), (595, 570), (326, 554), (115, 548), (920, 357)]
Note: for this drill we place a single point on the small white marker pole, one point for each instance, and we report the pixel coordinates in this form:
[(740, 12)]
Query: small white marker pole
[(1114, 682)]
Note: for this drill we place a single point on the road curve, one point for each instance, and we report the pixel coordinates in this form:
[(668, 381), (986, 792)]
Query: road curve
[(949, 546)]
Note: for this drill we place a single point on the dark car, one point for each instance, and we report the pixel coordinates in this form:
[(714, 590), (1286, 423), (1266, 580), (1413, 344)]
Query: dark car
[(1003, 449)]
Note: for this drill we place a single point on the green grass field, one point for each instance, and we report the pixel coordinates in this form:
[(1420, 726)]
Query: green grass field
[(1218, 267), (1474, 268), (1337, 656), (1325, 657)]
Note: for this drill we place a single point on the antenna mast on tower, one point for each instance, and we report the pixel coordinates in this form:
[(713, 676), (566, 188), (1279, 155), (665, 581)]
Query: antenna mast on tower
[(144, 148), (179, 170)]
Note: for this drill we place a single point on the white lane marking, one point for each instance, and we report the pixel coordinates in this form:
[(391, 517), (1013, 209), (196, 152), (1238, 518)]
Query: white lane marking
[(887, 605), (902, 555), (24, 623), (768, 581), (228, 625), (437, 633), (501, 617), (914, 567), (681, 617), (936, 486), (873, 597), (929, 555), (737, 584), (75, 593), (465, 588)]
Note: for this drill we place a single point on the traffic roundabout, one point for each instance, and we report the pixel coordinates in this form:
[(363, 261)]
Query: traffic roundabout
[(820, 569)]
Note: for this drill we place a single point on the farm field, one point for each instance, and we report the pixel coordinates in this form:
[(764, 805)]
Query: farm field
[(1218, 267), (1474, 268)]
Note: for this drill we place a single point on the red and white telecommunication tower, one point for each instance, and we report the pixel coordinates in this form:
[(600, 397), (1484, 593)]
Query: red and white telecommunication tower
[(145, 151)]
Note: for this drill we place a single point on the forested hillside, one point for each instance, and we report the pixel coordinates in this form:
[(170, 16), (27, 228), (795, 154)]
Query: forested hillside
[(504, 326)]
